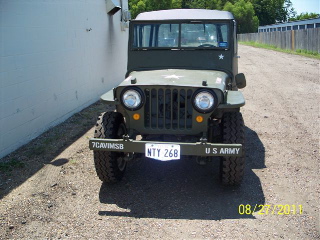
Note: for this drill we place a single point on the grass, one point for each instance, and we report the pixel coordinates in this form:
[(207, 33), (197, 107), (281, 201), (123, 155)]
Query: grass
[(73, 161), (272, 47), (52, 139), (10, 165), (36, 151), (44, 145)]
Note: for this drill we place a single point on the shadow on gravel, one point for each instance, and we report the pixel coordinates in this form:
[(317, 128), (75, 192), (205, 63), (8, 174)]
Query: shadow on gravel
[(45, 148), (185, 190)]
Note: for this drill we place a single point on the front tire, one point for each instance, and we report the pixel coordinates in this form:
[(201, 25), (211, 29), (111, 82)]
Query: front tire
[(232, 168), (110, 166)]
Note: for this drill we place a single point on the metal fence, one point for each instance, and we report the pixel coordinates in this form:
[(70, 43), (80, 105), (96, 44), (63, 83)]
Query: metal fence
[(306, 39)]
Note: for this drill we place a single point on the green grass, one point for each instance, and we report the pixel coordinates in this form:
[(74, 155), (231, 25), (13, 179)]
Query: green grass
[(10, 165), (36, 151), (272, 47), (52, 139), (73, 161), (44, 145)]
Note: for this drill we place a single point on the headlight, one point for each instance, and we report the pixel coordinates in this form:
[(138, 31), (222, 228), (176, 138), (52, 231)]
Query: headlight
[(132, 99), (204, 101)]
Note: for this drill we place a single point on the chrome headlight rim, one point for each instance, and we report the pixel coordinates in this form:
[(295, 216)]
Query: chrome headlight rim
[(214, 96), (138, 91)]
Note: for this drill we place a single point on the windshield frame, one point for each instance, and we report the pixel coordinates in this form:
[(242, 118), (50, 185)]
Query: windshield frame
[(179, 47)]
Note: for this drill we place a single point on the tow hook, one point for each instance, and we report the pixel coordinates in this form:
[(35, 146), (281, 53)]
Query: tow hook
[(126, 137), (204, 139)]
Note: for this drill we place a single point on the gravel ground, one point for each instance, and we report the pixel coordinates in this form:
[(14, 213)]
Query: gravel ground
[(56, 194)]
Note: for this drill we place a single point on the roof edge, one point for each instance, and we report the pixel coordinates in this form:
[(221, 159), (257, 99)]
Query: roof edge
[(184, 14)]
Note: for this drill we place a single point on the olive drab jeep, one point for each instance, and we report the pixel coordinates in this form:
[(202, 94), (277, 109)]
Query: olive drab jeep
[(179, 97)]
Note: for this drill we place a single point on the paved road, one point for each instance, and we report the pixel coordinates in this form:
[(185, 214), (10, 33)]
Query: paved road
[(57, 194)]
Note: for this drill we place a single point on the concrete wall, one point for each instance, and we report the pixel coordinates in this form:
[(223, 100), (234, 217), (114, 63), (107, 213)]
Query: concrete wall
[(51, 66)]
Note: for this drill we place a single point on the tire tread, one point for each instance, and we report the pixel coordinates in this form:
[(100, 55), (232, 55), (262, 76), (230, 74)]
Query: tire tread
[(106, 162), (232, 168)]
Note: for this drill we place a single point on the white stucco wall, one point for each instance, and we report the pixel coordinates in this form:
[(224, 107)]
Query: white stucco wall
[(51, 66)]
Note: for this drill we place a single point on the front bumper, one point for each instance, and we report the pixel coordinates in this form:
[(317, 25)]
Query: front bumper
[(188, 149)]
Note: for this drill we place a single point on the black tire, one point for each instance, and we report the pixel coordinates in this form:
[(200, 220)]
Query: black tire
[(232, 168), (110, 166)]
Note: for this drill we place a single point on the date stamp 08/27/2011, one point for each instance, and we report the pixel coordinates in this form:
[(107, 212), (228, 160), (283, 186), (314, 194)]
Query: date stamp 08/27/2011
[(265, 209)]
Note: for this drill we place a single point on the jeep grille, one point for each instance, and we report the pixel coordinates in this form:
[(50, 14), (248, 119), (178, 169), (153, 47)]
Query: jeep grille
[(168, 108)]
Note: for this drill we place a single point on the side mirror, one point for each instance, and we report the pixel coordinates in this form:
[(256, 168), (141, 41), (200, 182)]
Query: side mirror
[(241, 80)]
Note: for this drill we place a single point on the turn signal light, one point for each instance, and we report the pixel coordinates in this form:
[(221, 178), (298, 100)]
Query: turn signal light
[(199, 119), (136, 116)]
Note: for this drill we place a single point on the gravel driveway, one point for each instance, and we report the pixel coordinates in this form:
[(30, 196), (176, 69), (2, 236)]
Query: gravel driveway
[(56, 194)]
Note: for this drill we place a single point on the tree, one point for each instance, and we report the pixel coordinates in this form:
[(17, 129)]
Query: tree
[(153, 5), (242, 10), (176, 4), (267, 11), (204, 4), (287, 12), (244, 14), (303, 16), (272, 11), (138, 6)]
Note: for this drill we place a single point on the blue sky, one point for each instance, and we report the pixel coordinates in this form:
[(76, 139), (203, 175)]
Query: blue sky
[(306, 6)]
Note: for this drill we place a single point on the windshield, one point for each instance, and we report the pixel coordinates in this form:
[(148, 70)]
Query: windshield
[(181, 35)]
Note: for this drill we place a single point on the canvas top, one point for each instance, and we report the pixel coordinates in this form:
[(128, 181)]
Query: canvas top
[(185, 14)]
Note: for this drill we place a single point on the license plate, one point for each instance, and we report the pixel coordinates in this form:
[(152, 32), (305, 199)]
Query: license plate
[(162, 152)]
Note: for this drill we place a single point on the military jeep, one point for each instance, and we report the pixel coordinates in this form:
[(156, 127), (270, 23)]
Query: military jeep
[(179, 98)]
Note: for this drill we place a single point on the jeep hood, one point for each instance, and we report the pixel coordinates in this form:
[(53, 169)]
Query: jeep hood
[(178, 77)]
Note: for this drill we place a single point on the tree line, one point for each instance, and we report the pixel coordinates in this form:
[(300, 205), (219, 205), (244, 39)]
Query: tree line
[(248, 13)]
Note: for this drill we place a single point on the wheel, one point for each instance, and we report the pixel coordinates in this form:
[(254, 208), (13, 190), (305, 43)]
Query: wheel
[(110, 166), (232, 168)]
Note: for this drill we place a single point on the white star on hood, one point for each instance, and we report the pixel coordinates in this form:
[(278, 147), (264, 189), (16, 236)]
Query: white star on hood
[(221, 56)]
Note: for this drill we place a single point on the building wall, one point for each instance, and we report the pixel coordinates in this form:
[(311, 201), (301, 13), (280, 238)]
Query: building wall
[(56, 57)]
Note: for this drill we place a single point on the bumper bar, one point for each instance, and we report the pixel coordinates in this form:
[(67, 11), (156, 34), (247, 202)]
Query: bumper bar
[(196, 149)]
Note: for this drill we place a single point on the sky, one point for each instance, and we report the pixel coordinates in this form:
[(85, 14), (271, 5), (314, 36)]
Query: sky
[(306, 6)]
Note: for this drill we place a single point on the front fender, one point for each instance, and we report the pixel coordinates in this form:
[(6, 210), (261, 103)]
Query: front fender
[(109, 98), (234, 99)]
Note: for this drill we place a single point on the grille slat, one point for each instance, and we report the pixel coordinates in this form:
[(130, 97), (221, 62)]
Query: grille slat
[(160, 108), (189, 110), (168, 108), (147, 109), (157, 110), (154, 108), (182, 111), (179, 104)]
